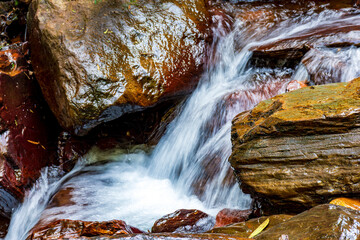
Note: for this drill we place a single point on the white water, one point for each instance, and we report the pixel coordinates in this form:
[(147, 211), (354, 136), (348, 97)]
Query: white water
[(188, 168)]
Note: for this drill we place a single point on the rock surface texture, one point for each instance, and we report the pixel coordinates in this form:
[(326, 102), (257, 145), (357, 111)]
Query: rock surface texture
[(321, 222), (299, 149), (75, 229), (184, 221), (28, 131), (96, 62)]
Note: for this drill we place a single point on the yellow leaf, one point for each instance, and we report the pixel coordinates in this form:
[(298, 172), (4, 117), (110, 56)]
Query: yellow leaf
[(260, 228), (36, 143), (98, 67), (106, 31)]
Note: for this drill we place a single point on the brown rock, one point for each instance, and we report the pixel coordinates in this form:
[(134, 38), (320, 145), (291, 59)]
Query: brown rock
[(298, 149), (75, 229), (347, 202), (177, 236), (244, 229), (321, 222), (96, 62), (228, 216), (293, 47), (184, 221)]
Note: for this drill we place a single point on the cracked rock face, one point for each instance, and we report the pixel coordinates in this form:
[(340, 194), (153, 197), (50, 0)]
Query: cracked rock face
[(301, 148), (95, 62)]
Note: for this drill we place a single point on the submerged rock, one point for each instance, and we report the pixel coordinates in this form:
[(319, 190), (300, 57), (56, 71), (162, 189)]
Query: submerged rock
[(184, 221), (321, 222), (299, 149), (96, 62)]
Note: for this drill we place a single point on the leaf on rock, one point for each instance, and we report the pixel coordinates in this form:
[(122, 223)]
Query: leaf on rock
[(260, 228)]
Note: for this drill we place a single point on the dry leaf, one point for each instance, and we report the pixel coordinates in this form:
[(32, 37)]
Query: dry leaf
[(260, 228), (33, 142)]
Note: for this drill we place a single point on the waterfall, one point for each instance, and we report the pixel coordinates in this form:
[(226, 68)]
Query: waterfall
[(188, 168)]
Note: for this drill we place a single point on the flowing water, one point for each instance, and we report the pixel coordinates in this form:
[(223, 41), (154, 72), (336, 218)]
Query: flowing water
[(188, 168)]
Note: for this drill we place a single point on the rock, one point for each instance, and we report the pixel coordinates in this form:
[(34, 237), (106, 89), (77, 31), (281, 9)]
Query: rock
[(244, 229), (347, 202), (76, 229), (287, 52), (228, 216), (321, 222), (184, 221), (294, 85), (298, 149), (96, 62), (28, 129), (177, 236)]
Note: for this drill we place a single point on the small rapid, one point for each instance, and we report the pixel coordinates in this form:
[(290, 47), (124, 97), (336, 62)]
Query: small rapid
[(189, 167)]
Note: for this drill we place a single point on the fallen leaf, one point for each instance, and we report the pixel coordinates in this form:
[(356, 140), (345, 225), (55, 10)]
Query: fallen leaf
[(33, 142), (260, 228)]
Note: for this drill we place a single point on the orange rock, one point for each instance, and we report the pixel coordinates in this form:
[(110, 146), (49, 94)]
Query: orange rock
[(347, 202), (295, 84)]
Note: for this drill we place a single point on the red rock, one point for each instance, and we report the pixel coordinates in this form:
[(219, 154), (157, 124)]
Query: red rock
[(65, 228), (228, 216), (184, 221)]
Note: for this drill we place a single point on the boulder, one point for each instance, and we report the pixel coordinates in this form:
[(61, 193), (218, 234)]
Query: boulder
[(76, 229), (244, 229), (98, 61), (299, 149), (184, 221), (228, 216), (321, 222)]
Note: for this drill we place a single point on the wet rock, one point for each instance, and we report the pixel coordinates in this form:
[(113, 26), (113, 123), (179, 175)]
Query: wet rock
[(28, 129), (330, 65), (347, 202), (298, 149), (12, 23), (244, 229), (96, 62), (287, 52), (76, 229), (228, 216), (294, 85), (177, 236), (321, 222), (184, 221)]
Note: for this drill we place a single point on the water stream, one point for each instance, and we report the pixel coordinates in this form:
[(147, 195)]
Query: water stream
[(188, 168)]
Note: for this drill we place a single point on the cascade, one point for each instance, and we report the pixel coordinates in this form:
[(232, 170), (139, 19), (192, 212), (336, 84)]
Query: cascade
[(188, 168)]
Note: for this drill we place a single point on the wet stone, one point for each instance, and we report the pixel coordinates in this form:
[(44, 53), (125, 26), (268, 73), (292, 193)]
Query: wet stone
[(184, 221), (97, 62)]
